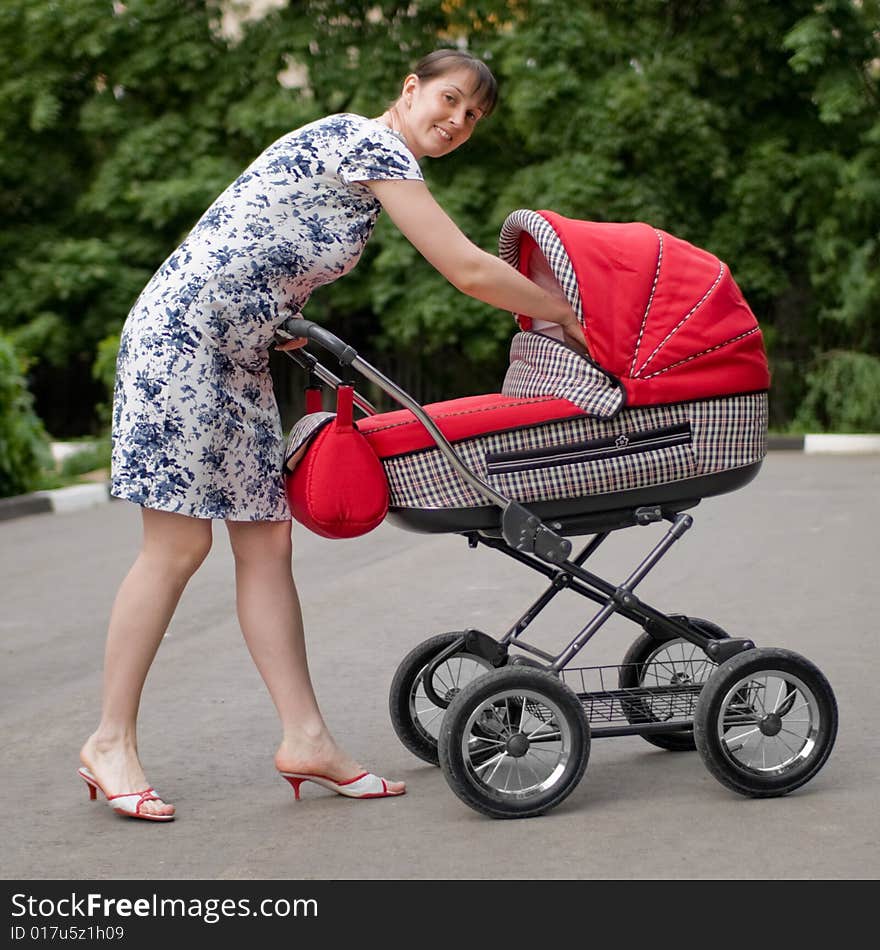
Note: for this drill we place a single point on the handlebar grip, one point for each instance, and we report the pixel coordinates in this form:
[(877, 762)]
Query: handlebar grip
[(297, 327)]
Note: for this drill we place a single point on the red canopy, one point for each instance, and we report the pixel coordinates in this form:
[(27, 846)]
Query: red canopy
[(666, 318)]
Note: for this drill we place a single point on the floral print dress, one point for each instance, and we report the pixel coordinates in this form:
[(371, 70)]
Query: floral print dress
[(196, 428)]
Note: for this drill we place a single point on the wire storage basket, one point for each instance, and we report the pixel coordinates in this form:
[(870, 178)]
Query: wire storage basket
[(664, 699)]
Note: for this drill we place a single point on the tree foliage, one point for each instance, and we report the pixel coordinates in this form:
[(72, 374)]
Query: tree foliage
[(750, 127), (24, 447)]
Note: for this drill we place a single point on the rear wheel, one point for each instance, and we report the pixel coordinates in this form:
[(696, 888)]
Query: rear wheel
[(765, 722), (416, 718), (514, 743), (653, 661)]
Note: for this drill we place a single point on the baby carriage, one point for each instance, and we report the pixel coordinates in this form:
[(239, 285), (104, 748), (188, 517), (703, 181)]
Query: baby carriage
[(669, 407)]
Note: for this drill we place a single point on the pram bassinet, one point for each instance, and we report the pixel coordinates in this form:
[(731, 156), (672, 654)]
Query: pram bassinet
[(670, 406)]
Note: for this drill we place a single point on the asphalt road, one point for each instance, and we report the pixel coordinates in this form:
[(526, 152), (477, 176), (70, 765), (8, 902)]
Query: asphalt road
[(789, 561)]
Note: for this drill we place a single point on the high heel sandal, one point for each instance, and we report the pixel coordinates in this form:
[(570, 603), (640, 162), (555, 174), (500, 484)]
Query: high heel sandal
[(129, 804), (365, 785)]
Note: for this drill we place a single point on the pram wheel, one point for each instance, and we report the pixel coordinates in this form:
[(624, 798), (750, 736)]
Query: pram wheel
[(654, 661), (514, 743), (415, 717), (765, 722)]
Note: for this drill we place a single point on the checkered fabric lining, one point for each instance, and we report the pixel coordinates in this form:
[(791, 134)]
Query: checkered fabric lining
[(542, 366), (726, 433), (303, 431), (551, 247)]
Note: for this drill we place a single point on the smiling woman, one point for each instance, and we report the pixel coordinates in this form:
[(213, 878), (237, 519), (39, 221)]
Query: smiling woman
[(441, 102), (196, 431)]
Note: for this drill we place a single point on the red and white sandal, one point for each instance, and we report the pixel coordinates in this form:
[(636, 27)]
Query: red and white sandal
[(128, 804), (365, 785)]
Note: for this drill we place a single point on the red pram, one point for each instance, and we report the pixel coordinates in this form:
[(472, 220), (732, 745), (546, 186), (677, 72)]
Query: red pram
[(673, 399), (669, 407)]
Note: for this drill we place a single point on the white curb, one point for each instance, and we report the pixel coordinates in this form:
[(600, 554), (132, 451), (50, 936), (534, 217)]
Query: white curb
[(77, 497), (65, 450), (841, 444)]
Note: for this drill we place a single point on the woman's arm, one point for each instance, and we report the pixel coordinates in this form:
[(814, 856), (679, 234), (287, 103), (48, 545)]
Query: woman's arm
[(413, 209)]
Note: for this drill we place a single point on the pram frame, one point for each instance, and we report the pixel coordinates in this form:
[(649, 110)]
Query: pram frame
[(621, 600), (702, 712), (526, 539)]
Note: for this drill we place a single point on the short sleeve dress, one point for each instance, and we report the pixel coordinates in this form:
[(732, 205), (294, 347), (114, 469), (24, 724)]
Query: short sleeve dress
[(196, 428)]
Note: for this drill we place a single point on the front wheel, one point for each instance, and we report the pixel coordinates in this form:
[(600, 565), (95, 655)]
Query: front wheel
[(416, 718), (514, 743), (765, 722)]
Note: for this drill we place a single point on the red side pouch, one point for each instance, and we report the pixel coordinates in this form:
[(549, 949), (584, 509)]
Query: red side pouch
[(338, 489)]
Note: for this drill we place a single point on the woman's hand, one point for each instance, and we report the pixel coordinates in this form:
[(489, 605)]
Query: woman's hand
[(473, 271), (296, 343), (574, 335)]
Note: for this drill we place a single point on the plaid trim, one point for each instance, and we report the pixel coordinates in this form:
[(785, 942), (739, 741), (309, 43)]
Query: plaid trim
[(730, 432), (551, 247), (437, 415), (542, 366), (632, 367), (640, 373), (727, 433), (301, 435), (693, 356)]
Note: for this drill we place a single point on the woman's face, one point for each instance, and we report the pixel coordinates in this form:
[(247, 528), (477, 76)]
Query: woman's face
[(439, 114)]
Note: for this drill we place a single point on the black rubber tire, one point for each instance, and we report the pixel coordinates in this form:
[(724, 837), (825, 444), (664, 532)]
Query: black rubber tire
[(632, 670), (411, 732), (536, 686), (718, 696)]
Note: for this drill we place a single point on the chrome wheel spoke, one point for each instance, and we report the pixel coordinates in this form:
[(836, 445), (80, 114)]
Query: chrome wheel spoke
[(449, 678), (434, 711), (534, 773), (755, 750), (793, 752), (439, 679), (536, 724), (493, 761)]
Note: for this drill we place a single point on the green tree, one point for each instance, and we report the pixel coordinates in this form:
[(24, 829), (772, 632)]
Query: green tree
[(749, 127), (24, 447), (119, 124)]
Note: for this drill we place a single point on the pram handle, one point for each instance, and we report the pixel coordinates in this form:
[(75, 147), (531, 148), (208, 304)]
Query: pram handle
[(297, 327), (521, 529), (311, 365)]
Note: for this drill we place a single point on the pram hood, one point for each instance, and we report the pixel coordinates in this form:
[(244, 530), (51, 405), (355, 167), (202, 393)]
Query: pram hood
[(664, 317)]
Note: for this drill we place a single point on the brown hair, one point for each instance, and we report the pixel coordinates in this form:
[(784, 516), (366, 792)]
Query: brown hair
[(443, 61)]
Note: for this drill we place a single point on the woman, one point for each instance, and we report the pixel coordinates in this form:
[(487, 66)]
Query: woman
[(196, 430)]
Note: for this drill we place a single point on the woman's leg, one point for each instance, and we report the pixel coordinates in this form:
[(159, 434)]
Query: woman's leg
[(172, 549), (271, 621)]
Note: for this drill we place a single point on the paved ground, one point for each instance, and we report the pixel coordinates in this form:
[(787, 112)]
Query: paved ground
[(789, 561)]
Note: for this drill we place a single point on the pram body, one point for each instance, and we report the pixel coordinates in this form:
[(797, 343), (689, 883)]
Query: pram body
[(669, 407)]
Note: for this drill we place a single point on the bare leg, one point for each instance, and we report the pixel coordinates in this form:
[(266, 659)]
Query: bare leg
[(271, 621), (173, 547)]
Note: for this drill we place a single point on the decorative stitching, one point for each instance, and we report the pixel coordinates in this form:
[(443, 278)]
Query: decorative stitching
[(684, 319), (650, 300), (711, 349), (463, 412)]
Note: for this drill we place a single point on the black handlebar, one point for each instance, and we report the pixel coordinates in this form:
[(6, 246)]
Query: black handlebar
[(521, 529), (297, 327)]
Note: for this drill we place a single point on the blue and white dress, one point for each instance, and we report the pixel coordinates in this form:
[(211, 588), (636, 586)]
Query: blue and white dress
[(196, 428)]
